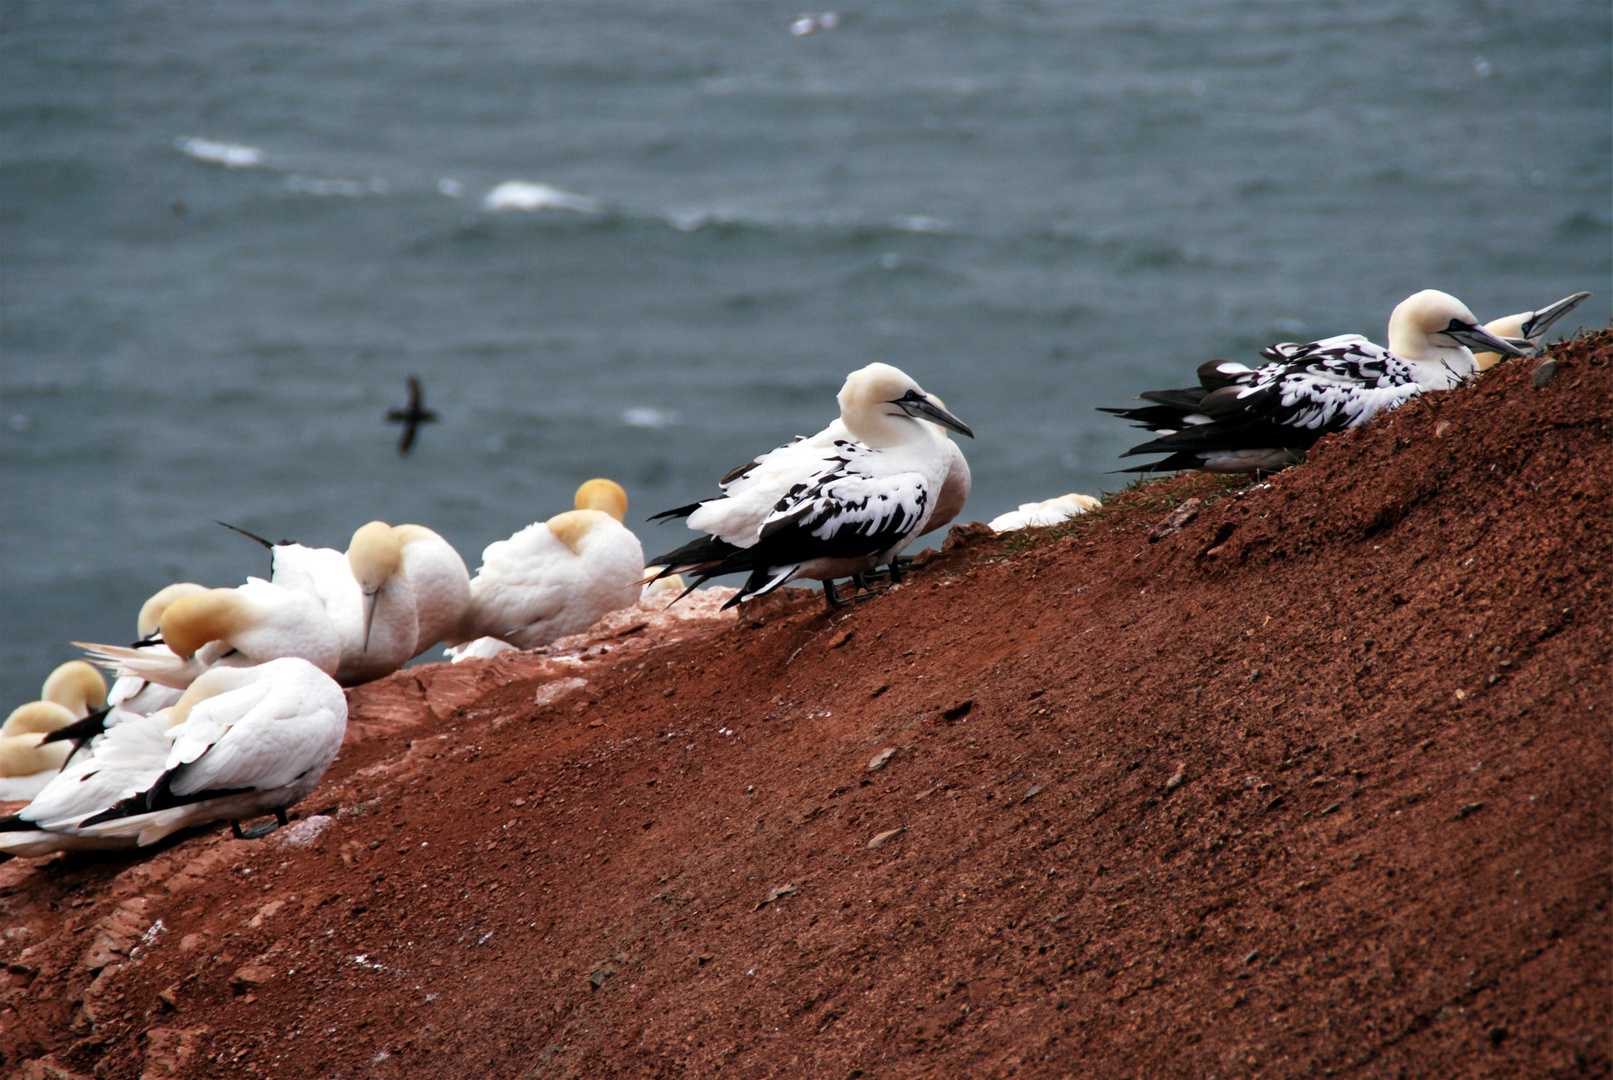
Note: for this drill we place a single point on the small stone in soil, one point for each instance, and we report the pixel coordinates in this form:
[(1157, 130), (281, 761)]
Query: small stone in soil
[(881, 759)]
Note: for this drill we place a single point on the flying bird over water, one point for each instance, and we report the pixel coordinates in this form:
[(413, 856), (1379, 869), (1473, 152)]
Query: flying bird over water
[(412, 416), (1242, 419), (835, 505)]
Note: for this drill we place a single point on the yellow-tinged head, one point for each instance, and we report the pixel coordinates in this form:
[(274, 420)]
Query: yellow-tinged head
[(210, 615), (606, 496), (879, 402), (151, 611), (571, 527), (77, 686), (37, 718), (415, 534), (374, 555)]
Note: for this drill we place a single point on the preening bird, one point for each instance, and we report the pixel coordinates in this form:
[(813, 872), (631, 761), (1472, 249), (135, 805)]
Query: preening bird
[(411, 416), (250, 624), (556, 577), (1242, 419), (828, 506), (26, 762)]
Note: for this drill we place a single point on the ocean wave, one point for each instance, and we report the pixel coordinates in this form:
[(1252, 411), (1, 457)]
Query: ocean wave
[(645, 417), (229, 155), (524, 195), (349, 189)]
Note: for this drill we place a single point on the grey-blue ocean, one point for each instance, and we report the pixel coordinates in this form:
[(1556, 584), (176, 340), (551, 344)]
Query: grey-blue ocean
[(230, 231)]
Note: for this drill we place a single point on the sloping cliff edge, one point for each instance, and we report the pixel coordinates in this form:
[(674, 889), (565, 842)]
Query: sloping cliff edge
[(1316, 784)]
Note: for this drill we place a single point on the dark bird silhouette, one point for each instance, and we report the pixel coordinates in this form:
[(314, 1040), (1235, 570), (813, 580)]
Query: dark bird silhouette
[(411, 417)]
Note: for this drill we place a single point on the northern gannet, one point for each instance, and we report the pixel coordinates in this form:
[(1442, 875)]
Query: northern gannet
[(1242, 419), (440, 581), (252, 741), (1033, 515), (126, 761), (77, 685), (824, 511), (250, 624), (27, 763), (556, 577), (131, 693), (1526, 329)]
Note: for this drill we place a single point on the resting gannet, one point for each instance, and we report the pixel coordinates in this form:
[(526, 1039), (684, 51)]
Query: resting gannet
[(252, 741), (131, 693), (556, 577), (250, 624), (1258, 420), (26, 763), (76, 685), (440, 581), (1033, 515), (826, 511), (1527, 328), (126, 761)]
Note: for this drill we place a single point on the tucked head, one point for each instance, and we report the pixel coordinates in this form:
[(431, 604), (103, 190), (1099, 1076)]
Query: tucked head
[(151, 611), (210, 615), (573, 527), (877, 400), (1430, 324), (37, 718), (603, 495), (77, 686), (374, 555)]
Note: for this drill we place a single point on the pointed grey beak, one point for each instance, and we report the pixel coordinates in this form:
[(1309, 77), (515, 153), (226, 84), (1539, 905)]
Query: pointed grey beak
[(1480, 340), (1535, 327), (920, 406), (369, 617)]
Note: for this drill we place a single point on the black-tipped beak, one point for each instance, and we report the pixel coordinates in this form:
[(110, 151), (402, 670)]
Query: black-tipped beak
[(1536, 326), (921, 406), (1480, 340)]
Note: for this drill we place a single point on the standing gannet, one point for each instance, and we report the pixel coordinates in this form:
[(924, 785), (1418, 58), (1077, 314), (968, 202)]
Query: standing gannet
[(1527, 328), (26, 762), (1033, 515), (252, 741), (829, 512), (440, 581), (250, 624), (126, 761), (556, 577), (1263, 419)]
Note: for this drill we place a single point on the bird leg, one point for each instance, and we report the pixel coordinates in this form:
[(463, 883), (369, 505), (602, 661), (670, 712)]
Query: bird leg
[(896, 571), (830, 596), (257, 832)]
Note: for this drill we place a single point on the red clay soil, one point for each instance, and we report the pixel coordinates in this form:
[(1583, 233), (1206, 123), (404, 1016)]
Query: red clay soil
[(1317, 785)]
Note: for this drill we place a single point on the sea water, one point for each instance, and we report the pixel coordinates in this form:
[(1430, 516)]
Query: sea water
[(646, 241)]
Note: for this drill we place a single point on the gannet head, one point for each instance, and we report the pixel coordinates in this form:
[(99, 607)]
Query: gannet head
[(416, 534), (374, 554), (210, 615), (1436, 326), (572, 527), (878, 402), (603, 495), (151, 611), (20, 752), (76, 685)]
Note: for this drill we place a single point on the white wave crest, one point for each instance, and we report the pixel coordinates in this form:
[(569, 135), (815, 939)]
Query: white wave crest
[(229, 155), (643, 416), (349, 189), (522, 195)]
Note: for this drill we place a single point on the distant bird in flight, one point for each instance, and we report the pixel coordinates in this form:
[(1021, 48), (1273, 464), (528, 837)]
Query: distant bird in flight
[(412, 417)]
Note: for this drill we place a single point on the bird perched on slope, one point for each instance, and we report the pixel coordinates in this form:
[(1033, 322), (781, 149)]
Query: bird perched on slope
[(125, 762), (1242, 419), (1033, 515), (828, 506), (239, 627), (440, 581), (252, 741), (411, 416), (26, 763), (556, 577), (1527, 329)]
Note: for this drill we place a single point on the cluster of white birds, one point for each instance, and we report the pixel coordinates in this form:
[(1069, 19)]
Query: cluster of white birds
[(229, 704)]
